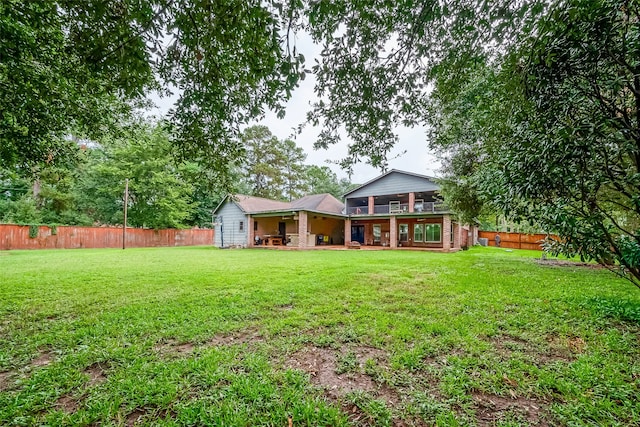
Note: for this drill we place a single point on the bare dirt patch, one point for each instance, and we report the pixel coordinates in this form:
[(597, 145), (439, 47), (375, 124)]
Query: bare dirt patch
[(576, 344), (174, 348), (491, 409), (96, 373), (322, 366), (134, 417), (566, 347), (5, 380), (142, 416), (442, 358), (566, 263), (365, 353), (246, 336), (506, 345), (67, 404), (357, 415), (43, 360)]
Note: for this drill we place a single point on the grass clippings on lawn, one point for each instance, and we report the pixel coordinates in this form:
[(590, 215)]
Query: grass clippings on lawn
[(199, 336)]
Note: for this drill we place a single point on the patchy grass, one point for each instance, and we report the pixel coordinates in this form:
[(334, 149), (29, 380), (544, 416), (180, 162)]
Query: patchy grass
[(199, 336)]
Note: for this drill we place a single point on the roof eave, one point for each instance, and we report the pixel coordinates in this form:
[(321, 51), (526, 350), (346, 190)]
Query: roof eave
[(293, 211), (224, 200)]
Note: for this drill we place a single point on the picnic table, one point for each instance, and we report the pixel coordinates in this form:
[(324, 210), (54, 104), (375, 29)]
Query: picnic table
[(270, 240)]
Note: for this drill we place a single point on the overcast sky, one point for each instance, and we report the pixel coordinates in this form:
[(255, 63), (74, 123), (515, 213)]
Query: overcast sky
[(417, 158)]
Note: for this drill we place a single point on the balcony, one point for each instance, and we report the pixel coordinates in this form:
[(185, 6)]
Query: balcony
[(401, 208)]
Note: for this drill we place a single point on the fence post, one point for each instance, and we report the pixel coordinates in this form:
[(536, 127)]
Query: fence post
[(124, 223)]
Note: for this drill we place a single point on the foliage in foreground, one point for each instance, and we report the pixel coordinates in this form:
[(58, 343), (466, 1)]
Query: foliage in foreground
[(80, 67), (550, 133), (185, 336)]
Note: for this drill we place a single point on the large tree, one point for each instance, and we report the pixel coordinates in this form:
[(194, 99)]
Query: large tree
[(272, 168), (321, 179), (160, 191), (574, 158), (79, 66), (551, 132), (380, 59)]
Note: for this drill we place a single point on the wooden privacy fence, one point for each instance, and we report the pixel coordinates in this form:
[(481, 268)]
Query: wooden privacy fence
[(514, 240), (70, 237)]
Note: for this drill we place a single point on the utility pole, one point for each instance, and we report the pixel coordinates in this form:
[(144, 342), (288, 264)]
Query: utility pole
[(126, 203), (221, 233)]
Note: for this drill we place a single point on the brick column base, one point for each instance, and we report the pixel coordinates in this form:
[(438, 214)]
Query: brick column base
[(446, 232), (347, 231), (393, 233), (302, 229)]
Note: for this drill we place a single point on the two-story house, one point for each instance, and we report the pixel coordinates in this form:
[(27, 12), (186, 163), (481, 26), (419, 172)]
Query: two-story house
[(395, 210), (402, 209)]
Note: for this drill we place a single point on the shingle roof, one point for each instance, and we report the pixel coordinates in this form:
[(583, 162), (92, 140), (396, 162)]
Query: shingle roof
[(315, 202), (251, 204), (319, 202)]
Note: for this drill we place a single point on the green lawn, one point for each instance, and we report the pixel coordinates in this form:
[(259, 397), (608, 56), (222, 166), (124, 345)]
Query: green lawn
[(200, 336)]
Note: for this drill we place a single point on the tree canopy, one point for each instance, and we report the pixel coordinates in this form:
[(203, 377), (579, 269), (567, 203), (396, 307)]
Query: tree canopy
[(79, 67), (551, 132), (164, 192), (276, 169)]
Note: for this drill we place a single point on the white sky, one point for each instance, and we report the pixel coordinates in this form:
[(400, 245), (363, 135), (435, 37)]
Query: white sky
[(417, 159)]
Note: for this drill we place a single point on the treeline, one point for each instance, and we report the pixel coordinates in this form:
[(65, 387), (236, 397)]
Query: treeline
[(164, 191)]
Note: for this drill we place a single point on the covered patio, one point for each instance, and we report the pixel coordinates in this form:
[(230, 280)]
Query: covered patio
[(295, 229), (412, 230)]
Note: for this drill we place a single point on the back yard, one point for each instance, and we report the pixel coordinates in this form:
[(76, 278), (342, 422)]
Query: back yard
[(200, 336)]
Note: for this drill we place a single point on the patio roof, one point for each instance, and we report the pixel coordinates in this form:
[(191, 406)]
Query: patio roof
[(318, 203), (250, 204)]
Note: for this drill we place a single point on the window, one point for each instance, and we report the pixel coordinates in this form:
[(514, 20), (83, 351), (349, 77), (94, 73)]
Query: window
[(418, 233), (255, 225), (377, 232), (451, 231), (432, 232), (241, 225), (404, 232)]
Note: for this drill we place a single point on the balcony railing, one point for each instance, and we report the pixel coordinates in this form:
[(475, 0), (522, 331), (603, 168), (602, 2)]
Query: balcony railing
[(425, 207)]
